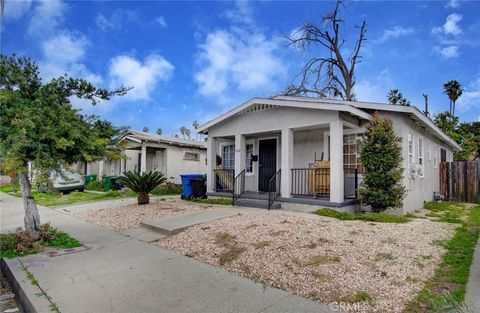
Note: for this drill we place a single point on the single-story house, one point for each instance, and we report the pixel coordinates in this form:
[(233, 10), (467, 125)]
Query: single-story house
[(301, 153), (145, 152)]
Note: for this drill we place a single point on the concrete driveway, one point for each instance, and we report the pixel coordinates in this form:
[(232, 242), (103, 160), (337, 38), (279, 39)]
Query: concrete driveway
[(118, 274)]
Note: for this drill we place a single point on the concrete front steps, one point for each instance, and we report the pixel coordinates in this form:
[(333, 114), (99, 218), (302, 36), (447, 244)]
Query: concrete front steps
[(174, 224), (256, 203)]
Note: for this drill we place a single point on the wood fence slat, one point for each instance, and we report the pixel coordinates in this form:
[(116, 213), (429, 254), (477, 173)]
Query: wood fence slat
[(460, 181)]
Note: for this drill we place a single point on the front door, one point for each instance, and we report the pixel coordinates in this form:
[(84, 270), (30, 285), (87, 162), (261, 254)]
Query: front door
[(267, 162)]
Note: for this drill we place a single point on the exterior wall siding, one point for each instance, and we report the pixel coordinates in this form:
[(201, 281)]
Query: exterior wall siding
[(419, 189)]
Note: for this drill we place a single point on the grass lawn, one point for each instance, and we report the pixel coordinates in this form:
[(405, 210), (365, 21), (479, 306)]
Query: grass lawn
[(21, 243), (221, 201), (49, 199), (371, 217), (446, 290)]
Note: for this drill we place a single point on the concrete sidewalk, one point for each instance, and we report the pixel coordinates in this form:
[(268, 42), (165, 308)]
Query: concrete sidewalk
[(119, 274)]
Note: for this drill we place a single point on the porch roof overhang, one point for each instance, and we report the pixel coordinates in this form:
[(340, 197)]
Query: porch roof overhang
[(291, 102)]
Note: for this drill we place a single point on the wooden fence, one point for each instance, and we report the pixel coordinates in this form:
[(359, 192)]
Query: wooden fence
[(460, 181)]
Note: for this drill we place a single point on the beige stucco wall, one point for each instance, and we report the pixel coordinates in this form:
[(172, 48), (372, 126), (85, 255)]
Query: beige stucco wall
[(169, 160)]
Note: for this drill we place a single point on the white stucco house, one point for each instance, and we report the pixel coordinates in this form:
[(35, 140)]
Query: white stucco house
[(301, 153), (147, 152)]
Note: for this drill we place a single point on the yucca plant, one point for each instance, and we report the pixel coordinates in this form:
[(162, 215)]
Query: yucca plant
[(143, 183)]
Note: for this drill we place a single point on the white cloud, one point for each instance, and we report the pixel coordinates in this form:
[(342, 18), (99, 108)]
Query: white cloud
[(161, 21), (242, 13), (374, 89), (16, 9), (448, 51), (232, 60), (144, 77), (63, 54), (395, 32), (240, 57), (450, 27), (470, 99), (46, 17), (452, 4), (116, 20)]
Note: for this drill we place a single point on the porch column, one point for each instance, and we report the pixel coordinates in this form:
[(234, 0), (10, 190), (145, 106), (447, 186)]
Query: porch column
[(287, 162), (239, 153), (211, 162), (143, 160), (336, 161)]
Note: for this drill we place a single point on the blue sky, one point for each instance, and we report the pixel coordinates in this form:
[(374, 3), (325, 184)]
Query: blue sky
[(194, 60)]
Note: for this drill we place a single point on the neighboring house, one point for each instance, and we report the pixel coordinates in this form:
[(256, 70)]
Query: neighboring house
[(303, 153), (147, 152)]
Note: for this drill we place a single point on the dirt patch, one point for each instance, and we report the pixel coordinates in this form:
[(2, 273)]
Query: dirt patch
[(132, 215), (381, 265)]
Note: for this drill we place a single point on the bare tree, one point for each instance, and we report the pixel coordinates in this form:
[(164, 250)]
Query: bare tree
[(332, 75)]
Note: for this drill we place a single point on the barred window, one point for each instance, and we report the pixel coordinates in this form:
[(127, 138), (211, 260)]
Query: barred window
[(191, 156)]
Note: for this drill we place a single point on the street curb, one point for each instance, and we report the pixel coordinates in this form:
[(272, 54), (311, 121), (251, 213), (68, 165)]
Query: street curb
[(472, 295), (27, 296)]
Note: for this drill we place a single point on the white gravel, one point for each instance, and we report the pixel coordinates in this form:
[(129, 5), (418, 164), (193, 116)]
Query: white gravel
[(322, 258), (132, 215)]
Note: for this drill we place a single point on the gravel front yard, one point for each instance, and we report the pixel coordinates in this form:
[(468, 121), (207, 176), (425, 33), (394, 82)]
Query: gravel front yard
[(381, 266), (130, 216)]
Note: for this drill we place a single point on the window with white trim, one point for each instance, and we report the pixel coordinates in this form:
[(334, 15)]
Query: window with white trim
[(228, 157), (351, 152), (421, 160), (411, 149), (248, 158), (435, 156)]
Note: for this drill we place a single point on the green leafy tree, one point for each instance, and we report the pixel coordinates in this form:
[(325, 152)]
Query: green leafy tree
[(381, 158), (396, 97), (145, 129), (467, 135), (159, 131), (39, 126), (453, 90), (143, 183)]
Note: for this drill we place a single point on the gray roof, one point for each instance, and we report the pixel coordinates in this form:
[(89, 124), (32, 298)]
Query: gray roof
[(142, 136)]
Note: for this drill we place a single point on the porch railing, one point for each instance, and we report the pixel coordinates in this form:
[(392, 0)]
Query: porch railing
[(224, 180), (274, 185), (311, 182), (350, 183), (238, 186), (315, 182)]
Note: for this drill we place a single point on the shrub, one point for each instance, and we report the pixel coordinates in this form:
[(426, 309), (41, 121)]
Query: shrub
[(21, 242), (167, 189), (142, 184), (371, 217), (381, 158), (94, 185)]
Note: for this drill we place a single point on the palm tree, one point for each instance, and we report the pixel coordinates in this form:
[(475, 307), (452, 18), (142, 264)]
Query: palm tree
[(453, 90), (145, 129), (396, 97), (187, 133), (159, 131), (183, 131), (195, 126), (143, 183)]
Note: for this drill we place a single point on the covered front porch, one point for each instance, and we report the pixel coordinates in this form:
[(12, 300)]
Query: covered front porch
[(315, 164)]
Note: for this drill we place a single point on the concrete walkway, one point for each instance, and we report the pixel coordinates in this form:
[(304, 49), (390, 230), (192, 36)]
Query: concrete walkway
[(119, 274), (472, 296)]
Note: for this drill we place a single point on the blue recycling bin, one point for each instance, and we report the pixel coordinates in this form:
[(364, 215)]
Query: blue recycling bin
[(187, 184)]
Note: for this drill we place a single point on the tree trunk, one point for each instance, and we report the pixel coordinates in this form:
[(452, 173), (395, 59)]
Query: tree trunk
[(32, 218), (143, 198)]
